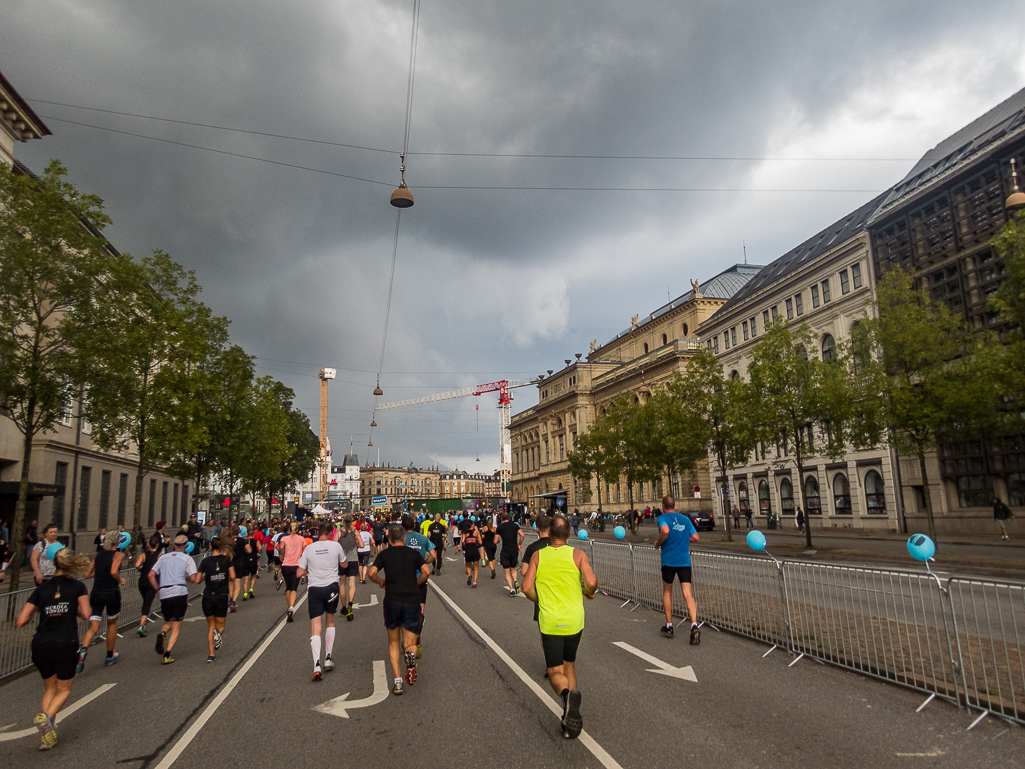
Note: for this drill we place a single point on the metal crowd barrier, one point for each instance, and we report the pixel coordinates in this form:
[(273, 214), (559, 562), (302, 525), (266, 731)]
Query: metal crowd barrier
[(16, 643), (960, 640)]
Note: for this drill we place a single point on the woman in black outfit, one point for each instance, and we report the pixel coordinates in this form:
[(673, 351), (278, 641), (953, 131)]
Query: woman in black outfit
[(471, 552), (60, 601), (146, 560), (217, 571), (490, 537), (105, 596)]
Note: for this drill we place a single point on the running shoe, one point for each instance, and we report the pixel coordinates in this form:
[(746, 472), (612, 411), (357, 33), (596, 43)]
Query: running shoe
[(47, 732), (349, 616), (363, 582), (168, 659), (252, 594), (289, 618), (492, 574), (317, 675), (211, 658), (329, 664), (277, 584), (245, 596), (474, 585), (160, 642), (410, 668), (469, 579), (516, 585), (111, 659), (419, 651), (397, 687), (695, 635), (512, 593), (141, 631), (574, 723), (667, 631), (82, 653), (217, 639), (232, 607)]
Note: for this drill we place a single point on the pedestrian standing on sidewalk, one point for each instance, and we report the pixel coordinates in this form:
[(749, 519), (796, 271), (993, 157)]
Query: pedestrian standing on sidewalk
[(800, 519), (749, 518), (60, 601), (675, 533), (736, 517), (1001, 513), (553, 582)]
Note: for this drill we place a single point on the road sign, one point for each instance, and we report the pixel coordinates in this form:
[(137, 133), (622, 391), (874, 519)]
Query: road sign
[(379, 501), (697, 492), (559, 501)]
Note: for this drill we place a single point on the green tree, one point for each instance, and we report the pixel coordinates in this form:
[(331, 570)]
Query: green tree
[(796, 395), (930, 374), (148, 336), (714, 419), (587, 461), (1009, 300), (620, 434), (302, 460), (264, 432), (51, 255), (664, 438)]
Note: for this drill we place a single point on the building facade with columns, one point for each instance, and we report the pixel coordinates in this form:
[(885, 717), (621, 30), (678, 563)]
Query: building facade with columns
[(647, 354), (396, 484)]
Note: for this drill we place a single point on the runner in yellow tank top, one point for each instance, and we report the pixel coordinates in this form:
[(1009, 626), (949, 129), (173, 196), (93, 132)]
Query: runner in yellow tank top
[(553, 583)]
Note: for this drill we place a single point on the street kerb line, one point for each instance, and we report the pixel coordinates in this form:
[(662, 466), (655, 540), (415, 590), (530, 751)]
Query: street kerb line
[(597, 750), (190, 735)]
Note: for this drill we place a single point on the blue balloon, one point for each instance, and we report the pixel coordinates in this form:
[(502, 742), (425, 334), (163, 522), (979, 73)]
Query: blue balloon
[(582, 534), (921, 547), (51, 550), (619, 531), (190, 547), (126, 540), (243, 531), (755, 540)]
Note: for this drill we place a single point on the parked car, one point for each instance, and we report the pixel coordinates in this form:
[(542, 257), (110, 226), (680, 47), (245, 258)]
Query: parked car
[(702, 521)]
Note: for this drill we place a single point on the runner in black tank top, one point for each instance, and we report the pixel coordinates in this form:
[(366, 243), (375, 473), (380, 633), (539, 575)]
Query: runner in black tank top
[(217, 571), (105, 597), (490, 537), (471, 552), (144, 563)]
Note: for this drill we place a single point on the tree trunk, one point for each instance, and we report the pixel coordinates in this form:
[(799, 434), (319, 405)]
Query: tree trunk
[(927, 495), (18, 527), (630, 498), (137, 542), (727, 513), (601, 513), (798, 495)]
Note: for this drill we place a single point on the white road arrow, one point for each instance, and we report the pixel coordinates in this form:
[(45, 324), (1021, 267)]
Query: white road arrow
[(8, 736), (373, 602), (339, 705), (664, 668)]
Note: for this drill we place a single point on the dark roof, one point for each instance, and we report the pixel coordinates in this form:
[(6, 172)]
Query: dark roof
[(722, 286), (1000, 123), (839, 231), (350, 460)]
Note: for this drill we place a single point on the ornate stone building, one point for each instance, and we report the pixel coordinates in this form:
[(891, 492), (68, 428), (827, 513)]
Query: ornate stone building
[(650, 352)]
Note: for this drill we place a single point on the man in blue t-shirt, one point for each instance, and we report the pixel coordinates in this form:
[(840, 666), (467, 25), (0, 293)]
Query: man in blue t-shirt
[(675, 533)]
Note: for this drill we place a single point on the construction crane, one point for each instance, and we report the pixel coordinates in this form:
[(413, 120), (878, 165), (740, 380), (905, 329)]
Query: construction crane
[(325, 375), (502, 387)]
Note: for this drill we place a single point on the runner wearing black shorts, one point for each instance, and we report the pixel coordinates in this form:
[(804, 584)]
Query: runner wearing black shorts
[(437, 533), (321, 560), (216, 570), (144, 563), (512, 545), (490, 538), (238, 565), (471, 552), (105, 596)]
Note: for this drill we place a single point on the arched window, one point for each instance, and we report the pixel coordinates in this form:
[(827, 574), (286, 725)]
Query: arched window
[(860, 346), (828, 348), (875, 498), (786, 496), (812, 500), (734, 374), (742, 498), (685, 329), (665, 339), (841, 494), (645, 347), (802, 352), (764, 503)]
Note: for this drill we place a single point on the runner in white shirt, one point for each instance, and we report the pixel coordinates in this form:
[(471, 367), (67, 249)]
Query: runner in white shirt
[(363, 553), (173, 571), (320, 561)]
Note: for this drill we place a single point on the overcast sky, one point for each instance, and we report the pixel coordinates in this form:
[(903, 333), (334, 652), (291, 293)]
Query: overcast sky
[(489, 284)]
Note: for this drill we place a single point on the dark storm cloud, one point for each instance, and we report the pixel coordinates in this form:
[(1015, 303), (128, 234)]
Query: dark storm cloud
[(489, 283)]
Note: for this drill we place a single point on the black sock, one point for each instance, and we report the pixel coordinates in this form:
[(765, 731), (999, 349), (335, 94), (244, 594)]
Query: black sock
[(565, 696), (110, 654)]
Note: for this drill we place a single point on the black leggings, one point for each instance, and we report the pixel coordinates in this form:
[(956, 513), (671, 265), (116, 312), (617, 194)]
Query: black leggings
[(148, 594)]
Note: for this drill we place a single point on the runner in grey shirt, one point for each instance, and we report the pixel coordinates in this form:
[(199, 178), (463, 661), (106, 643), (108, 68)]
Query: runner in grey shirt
[(347, 538), (173, 570)]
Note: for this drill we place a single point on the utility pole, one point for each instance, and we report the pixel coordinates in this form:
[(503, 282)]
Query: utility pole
[(325, 375)]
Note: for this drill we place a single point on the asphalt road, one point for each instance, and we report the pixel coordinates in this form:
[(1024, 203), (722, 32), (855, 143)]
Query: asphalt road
[(481, 699)]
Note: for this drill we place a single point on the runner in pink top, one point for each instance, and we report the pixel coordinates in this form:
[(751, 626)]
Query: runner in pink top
[(291, 548)]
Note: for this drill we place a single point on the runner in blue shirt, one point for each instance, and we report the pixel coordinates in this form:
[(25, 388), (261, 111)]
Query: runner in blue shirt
[(675, 533), (425, 547)]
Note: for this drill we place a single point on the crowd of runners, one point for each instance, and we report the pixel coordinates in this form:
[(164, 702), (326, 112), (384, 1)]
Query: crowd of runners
[(396, 552)]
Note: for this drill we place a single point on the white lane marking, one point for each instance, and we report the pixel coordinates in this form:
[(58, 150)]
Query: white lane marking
[(663, 668), (597, 750), (8, 736), (200, 722), (373, 602), (339, 705), (931, 754)]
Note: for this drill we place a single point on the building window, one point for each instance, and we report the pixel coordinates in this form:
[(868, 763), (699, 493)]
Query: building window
[(786, 497), (845, 282), (754, 327), (765, 318), (828, 348), (742, 498), (974, 490), (875, 498), (562, 448), (645, 347), (60, 480), (764, 503), (841, 494), (152, 502), (726, 339), (825, 291), (685, 329), (799, 301), (745, 330), (856, 274), (733, 336), (104, 498), (814, 296), (715, 344), (775, 314), (790, 309), (83, 498), (163, 502), (665, 340), (122, 498), (812, 500), (174, 506)]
